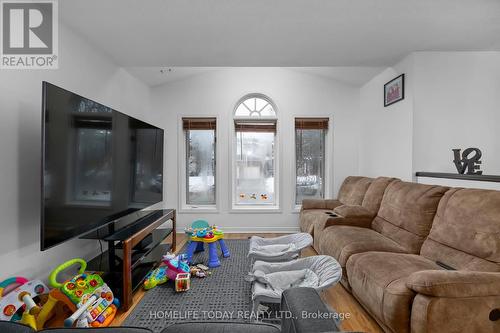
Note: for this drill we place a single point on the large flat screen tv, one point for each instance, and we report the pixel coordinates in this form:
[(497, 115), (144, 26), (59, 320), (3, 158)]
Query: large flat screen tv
[(98, 165)]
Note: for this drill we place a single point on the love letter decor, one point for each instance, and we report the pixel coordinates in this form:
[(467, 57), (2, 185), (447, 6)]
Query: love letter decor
[(467, 161)]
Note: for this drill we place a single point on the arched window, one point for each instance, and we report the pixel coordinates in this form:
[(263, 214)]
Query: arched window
[(255, 105), (255, 153)]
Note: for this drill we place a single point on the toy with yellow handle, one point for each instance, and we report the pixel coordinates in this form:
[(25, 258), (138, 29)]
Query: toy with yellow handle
[(55, 295), (86, 295), (21, 299)]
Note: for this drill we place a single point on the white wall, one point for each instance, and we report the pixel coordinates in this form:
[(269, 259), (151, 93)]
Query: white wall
[(87, 72), (385, 143), (295, 94), (457, 105), (452, 101)]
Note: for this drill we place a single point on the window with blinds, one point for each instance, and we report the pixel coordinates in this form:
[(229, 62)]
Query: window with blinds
[(200, 161), (310, 161), (255, 173)]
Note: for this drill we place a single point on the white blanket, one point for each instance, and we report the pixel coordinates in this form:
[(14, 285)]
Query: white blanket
[(280, 281)]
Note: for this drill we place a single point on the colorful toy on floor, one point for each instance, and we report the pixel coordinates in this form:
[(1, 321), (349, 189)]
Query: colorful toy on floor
[(200, 272), (22, 303), (182, 282), (86, 295), (175, 265), (156, 277), (200, 233)]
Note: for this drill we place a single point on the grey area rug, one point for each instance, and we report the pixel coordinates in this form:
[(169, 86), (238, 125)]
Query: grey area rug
[(222, 296)]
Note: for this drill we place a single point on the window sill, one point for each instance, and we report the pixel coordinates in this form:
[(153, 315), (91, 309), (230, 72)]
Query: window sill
[(256, 210), (198, 209)]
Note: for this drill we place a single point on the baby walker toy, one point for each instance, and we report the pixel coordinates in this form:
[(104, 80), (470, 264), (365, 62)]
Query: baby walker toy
[(200, 233), (86, 295), (25, 298)]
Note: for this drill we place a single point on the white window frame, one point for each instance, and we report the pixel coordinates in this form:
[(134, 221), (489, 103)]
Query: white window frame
[(328, 161), (183, 206), (276, 208)]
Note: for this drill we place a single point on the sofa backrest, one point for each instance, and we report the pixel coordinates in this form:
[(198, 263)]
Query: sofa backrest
[(375, 193), (406, 213), (465, 233), (353, 190)]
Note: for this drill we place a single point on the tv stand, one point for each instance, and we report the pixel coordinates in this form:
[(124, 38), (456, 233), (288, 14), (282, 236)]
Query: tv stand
[(133, 251)]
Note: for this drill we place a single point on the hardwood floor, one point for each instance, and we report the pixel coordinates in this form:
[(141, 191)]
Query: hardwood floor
[(343, 302), (356, 318)]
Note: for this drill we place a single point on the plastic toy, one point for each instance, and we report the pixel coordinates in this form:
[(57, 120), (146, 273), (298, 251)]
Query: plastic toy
[(200, 233), (156, 277), (200, 271), (182, 282), (22, 303), (86, 295), (175, 265)]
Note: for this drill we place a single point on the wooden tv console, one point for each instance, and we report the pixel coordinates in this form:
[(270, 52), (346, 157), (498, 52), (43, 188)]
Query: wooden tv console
[(133, 251)]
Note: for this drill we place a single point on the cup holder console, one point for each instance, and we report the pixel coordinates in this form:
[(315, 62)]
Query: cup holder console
[(495, 314)]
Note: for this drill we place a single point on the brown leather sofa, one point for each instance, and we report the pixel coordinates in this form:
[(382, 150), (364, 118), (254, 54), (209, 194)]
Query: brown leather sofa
[(401, 224), (429, 261), (416, 293), (358, 201)]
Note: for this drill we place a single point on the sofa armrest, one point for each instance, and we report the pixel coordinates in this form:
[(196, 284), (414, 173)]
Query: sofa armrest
[(353, 211), (307, 312), (351, 215), (320, 204), (444, 283)]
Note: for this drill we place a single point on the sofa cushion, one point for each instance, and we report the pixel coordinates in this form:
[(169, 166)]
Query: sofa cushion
[(354, 211), (341, 242), (375, 193), (343, 215), (309, 218), (353, 190), (466, 230), (13, 327), (406, 213), (378, 281), (220, 327)]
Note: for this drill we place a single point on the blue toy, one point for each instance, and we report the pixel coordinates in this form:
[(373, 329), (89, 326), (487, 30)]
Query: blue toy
[(200, 233)]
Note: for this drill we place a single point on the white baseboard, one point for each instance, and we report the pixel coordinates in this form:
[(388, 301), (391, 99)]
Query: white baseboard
[(254, 230)]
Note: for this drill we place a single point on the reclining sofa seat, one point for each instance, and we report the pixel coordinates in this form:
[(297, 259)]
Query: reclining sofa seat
[(354, 214), (352, 192), (415, 293), (315, 212), (401, 225)]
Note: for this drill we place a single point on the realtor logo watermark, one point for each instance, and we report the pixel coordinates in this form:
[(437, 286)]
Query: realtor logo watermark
[(29, 34)]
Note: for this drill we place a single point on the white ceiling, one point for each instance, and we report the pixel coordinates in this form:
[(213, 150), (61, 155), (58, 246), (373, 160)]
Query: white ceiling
[(154, 76), (138, 33)]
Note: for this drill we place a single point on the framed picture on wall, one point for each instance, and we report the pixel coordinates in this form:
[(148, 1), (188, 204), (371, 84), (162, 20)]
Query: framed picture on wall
[(394, 90)]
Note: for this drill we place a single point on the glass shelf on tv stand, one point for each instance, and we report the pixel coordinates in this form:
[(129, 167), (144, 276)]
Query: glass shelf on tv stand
[(133, 250), (129, 225)]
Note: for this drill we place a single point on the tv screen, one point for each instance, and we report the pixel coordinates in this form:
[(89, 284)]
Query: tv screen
[(98, 165)]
